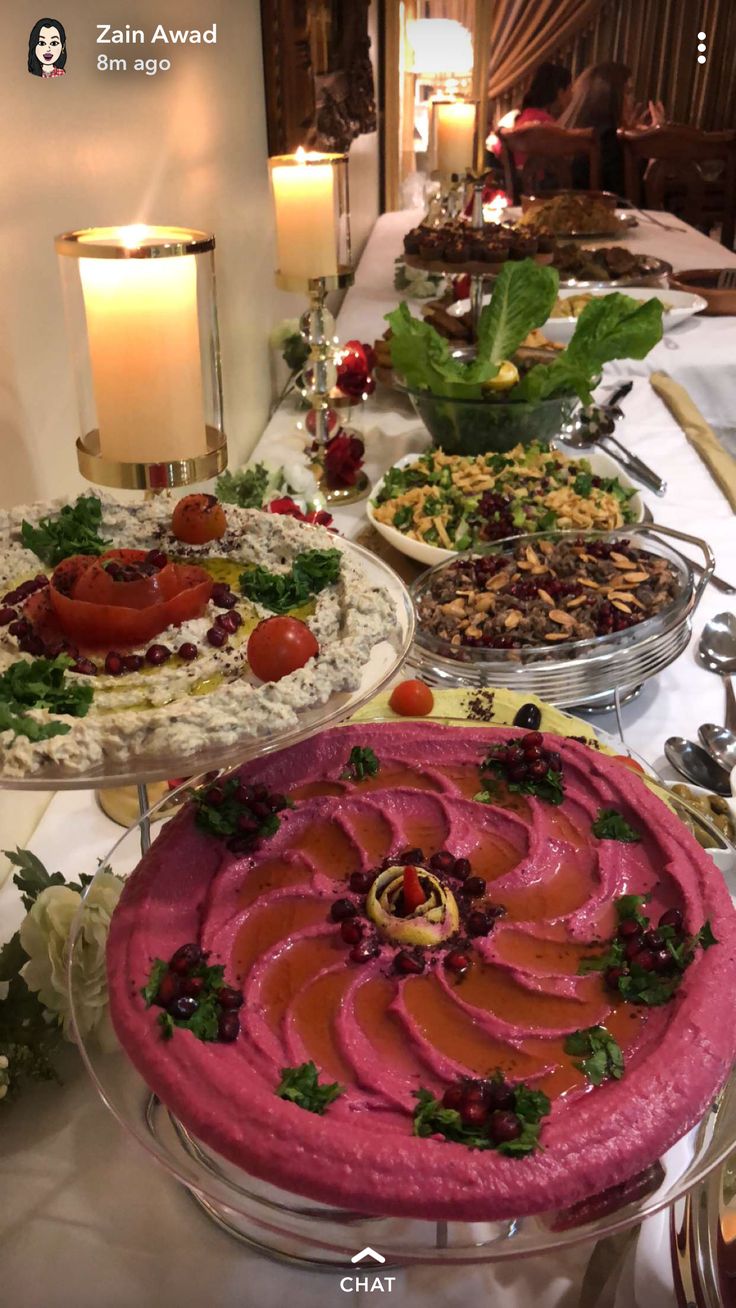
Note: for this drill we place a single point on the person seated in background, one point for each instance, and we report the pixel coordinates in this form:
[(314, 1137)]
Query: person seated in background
[(548, 95), (602, 97)]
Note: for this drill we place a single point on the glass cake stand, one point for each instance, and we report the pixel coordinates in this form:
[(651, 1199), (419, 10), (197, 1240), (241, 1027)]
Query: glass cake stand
[(294, 1229), (385, 659)]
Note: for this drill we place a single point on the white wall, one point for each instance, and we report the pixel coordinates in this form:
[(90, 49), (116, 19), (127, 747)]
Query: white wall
[(187, 146)]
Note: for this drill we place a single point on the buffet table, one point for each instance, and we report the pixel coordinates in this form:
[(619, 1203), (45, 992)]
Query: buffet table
[(88, 1218)]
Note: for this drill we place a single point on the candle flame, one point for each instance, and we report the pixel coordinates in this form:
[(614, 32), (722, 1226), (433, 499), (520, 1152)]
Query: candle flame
[(303, 156), (132, 236)]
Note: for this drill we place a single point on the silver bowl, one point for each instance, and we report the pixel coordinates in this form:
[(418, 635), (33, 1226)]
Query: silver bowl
[(587, 674)]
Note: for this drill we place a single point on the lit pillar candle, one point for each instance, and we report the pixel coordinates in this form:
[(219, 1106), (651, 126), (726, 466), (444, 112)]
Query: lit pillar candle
[(144, 349), (455, 126), (304, 204)]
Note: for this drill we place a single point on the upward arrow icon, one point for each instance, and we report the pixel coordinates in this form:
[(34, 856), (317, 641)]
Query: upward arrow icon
[(367, 1253)]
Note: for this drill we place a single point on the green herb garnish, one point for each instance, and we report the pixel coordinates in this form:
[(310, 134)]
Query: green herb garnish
[(530, 1106), (223, 810), (204, 1022), (74, 530), (247, 489), (599, 1057), (649, 985), (549, 787), (310, 573), (362, 763), (610, 825), (41, 683), (301, 1085)]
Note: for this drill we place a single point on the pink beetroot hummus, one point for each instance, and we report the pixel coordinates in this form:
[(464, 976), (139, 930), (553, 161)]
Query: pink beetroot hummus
[(266, 917)]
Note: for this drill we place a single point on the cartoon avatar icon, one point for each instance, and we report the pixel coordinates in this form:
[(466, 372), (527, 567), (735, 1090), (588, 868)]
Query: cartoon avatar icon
[(47, 48)]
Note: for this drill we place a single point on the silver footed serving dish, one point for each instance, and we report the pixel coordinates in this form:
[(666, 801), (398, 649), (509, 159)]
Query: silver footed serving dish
[(590, 672)]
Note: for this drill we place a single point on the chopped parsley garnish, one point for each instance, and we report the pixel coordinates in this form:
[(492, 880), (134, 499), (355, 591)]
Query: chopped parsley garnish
[(203, 1023), (310, 573), (41, 683), (301, 1085), (646, 965), (599, 1057), (74, 530), (234, 811), (610, 825), (530, 1106), (246, 489), (510, 764), (362, 763)]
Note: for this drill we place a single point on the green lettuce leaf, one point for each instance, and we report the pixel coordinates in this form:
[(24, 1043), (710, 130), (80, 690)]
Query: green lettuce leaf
[(523, 297)]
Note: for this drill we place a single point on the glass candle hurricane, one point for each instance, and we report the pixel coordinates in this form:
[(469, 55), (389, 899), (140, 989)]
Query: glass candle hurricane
[(142, 322)]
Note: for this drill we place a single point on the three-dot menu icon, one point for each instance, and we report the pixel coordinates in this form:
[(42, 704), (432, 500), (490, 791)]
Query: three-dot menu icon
[(701, 47)]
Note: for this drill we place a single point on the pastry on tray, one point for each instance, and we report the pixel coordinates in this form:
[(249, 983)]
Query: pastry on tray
[(424, 970), (127, 631)]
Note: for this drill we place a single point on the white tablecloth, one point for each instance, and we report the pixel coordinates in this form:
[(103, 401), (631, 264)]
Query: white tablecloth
[(87, 1218)]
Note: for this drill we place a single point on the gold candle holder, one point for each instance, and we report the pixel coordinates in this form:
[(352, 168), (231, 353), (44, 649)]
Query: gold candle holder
[(142, 323), (312, 213)]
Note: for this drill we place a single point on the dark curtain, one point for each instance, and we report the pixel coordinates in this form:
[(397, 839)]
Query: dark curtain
[(658, 40)]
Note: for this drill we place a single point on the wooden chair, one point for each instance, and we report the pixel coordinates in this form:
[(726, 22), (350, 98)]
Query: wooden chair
[(664, 169), (549, 153)]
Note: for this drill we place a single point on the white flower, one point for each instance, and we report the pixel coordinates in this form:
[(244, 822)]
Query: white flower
[(282, 331), (300, 479), (44, 936), (4, 1076)]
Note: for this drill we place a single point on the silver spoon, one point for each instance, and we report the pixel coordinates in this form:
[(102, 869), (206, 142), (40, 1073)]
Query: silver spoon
[(720, 744), (717, 653), (692, 762), (595, 427)]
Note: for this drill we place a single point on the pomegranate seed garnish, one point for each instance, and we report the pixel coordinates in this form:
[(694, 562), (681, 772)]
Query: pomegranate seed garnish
[(454, 1097), (192, 986), (169, 988), (457, 962), (351, 931), (409, 964), (133, 662), (188, 651), (157, 654), (504, 1126), (186, 958), (672, 918), (364, 951), (230, 998), (183, 1007), (461, 869), (478, 924), (113, 664), (612, 976), (361, 882), (474, 886), (7, 615), (629, 927), (228, 1026), (342, 909), (217, 637)]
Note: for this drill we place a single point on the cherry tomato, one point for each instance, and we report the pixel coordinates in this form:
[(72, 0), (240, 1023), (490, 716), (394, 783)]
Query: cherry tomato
[(198, 518), (412, 699), (279, 646), (629, 763)]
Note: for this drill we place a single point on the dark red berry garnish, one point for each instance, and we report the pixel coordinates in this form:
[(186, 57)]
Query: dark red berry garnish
[(217, 637), (157, 654), (191, 985), (223, 597), (457, 962), (532, 740), (351, 931), (662, 960), (230, 998), (500, 1095), (443, 861), (7, 615), (478, 924), (361, 882), (504, 1126), (629, 927), (454, 1097), (672, 918), (215, 796), (342, 909), (645, 959), (186, 958), (182, 1008), (169, 988), (364, 951), (188, 651), (461, 869), (85, 666), (410, 856), (473, 1113), (157, 558), (612, 976), (228, 1026), (474, 886), (409, 964), (633, 946), (133, 662), (113, 664)]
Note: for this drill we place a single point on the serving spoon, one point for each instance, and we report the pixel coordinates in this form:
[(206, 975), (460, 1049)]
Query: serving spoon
[(717, 653), (692, 762), (594, 426), (720, 744)]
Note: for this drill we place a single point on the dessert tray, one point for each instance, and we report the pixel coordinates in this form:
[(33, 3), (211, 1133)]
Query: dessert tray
[(127, 645), (366, 1006), (587, 673)]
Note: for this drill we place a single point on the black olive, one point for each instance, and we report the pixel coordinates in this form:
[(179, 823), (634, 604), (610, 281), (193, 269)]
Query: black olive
[(529, 716)]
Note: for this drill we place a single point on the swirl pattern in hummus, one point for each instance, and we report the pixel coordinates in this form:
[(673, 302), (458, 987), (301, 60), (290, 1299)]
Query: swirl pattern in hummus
[(266, 917)]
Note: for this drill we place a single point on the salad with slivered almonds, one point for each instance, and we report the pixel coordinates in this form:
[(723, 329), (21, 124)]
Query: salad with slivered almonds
[(457, 502)]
